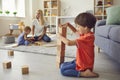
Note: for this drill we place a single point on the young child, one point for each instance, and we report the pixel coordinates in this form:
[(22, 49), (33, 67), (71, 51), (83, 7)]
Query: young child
[(82, 66), (23, 39)]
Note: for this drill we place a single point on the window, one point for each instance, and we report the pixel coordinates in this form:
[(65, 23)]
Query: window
[(13, 6), (8, 5)]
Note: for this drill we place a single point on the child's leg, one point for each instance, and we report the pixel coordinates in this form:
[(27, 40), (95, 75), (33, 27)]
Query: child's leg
[(46, 38), (88, 73), (16, 45), (20, 43), (67, 63), (26, 43), (68, 69)]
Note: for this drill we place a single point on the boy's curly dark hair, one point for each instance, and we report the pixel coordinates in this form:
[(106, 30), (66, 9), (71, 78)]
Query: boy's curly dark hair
[(85, 20)]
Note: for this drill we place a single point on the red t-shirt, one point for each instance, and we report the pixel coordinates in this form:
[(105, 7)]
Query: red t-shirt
[(85, 52)]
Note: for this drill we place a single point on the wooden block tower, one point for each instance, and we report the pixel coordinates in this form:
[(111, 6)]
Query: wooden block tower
[(61, 46)]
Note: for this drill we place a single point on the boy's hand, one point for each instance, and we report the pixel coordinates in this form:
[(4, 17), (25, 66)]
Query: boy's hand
[(59, 35), (63, 25)]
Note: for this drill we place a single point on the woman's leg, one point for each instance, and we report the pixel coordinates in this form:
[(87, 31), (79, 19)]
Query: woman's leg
[(69, 69), (46, 38), (36, 38)]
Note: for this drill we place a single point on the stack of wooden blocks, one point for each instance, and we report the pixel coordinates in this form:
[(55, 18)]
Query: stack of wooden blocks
[(61, 47)]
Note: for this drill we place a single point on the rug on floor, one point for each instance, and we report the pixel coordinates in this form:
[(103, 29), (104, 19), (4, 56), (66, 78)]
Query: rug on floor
[(46, 48)]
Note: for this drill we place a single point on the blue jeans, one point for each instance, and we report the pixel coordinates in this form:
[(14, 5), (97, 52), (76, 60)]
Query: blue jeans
[(44, 38), (24, 43), (69, 69)]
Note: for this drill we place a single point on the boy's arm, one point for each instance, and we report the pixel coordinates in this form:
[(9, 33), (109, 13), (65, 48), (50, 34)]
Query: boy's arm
[(67, 41), (72, 27), (25, 37)]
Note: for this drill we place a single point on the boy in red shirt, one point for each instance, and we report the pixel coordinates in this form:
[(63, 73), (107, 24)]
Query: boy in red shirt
[(82, 66)]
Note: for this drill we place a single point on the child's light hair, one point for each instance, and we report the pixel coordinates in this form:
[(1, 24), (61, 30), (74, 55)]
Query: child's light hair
[(41, 16)]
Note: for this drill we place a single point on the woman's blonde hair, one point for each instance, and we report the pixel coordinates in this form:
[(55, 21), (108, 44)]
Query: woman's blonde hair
[(41, 16)]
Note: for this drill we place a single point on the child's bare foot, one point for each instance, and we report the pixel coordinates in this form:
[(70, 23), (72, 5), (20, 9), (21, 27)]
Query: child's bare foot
[(88, 74), (16, 45)]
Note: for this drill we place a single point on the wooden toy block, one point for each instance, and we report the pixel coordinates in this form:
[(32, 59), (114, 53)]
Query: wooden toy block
[(38, 43), (7, 65), (10, 53), (25, 69), (61, 47)]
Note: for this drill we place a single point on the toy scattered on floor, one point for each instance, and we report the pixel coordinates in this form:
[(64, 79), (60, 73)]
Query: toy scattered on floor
[(10, 53), (37, 43), (7, 65), (25, 69)]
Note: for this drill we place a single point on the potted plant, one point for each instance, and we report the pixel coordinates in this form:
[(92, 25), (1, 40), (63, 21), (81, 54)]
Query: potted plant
[(7, 12), (1, 12), (14, 13)]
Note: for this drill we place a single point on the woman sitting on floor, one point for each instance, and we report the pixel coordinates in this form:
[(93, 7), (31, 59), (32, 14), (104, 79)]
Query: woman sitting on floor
[(39, 28)]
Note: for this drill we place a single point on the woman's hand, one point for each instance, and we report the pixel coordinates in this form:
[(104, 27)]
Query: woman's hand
[(33, 38), (40, 37)]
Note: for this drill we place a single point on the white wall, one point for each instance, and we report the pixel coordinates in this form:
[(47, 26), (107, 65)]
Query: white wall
[(41, 4), (30, 9), (74, 7)]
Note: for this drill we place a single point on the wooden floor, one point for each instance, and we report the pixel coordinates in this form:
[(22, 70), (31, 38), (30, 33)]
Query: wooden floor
[(43, 67)]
